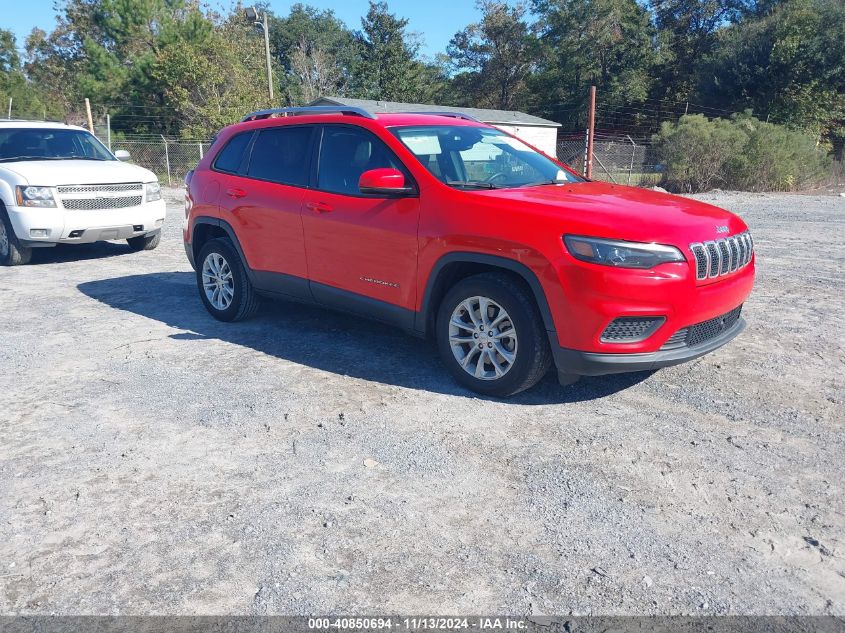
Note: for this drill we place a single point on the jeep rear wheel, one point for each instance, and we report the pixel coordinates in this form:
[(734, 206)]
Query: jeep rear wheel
[(223, 284), (12, 252), (490, 335)]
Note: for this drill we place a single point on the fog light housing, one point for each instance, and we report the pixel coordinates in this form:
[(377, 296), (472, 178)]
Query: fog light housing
[(631, 329), (39, 233), (77, 233)]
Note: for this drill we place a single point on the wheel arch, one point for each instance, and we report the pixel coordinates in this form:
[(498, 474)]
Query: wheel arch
[(205, 228), (453, 267)]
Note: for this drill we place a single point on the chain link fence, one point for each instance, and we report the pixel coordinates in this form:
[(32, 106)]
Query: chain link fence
[(621, 159), (169, 159)]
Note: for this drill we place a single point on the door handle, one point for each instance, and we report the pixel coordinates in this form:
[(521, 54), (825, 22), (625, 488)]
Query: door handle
[(234, 192), (319, 207)]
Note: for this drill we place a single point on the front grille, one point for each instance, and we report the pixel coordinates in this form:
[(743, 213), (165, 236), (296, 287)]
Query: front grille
[(91, 204), (722, 257), (124, 186), (703, 332), (631, 329)]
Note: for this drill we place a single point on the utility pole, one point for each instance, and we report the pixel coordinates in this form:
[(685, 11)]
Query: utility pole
[(591, 131), (88, 112), (260, 20), (10, 109)]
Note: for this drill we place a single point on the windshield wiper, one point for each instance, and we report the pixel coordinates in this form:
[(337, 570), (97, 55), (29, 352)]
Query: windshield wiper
[(14, 158), (540, 183), (477, 184)]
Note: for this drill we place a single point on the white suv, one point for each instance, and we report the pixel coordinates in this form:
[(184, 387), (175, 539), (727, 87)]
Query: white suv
[(59, 184)]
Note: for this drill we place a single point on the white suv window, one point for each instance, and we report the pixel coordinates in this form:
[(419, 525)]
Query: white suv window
[(18, 144)]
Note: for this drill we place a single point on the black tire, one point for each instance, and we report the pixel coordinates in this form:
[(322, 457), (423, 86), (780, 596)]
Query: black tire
[(245, 301), (12, 252), (533, 354), (144, 242)]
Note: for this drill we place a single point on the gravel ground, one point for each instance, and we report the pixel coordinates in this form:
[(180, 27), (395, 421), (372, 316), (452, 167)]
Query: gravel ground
[(153, 460)]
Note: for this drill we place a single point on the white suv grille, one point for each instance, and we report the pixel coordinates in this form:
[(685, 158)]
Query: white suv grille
[(90, 204), (101, 196)]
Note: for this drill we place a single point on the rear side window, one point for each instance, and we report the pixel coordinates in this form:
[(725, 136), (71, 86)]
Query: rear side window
[(230, 157), (281, 155)]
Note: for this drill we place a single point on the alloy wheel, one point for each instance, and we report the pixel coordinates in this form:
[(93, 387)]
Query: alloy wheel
[(483, 338), (218, 281)]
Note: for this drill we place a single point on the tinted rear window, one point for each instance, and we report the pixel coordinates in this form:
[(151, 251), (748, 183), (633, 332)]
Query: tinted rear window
[(230, 157), (281, 155)]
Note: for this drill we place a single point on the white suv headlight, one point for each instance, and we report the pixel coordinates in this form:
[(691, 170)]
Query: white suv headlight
[(35, 196), (152, 191)]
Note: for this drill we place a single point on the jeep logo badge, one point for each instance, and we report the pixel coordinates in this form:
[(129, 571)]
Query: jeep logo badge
[(721, 229)]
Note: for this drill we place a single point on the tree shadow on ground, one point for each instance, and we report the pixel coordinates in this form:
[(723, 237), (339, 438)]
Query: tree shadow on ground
[(323, 339)]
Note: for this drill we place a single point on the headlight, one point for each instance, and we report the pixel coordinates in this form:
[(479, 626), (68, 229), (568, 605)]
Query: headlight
[(35, 196), (152, 191), (620, 254)]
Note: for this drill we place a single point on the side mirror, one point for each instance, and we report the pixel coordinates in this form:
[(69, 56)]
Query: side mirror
[(122, 154), (384, 181)]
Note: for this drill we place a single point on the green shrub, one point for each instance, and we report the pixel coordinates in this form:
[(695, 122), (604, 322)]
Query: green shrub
[(741, 153)]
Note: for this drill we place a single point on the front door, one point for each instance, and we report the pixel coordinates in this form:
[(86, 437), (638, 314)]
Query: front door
[(359, 247)]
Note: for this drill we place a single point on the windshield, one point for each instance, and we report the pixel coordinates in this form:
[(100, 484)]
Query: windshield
[(50, 144), (480, 158)]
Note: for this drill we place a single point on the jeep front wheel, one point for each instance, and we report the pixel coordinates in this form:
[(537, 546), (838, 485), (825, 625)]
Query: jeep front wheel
[(490, 335)]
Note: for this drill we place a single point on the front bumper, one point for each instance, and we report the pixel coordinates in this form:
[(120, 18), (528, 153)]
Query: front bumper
[(575, 362), (64, 226)]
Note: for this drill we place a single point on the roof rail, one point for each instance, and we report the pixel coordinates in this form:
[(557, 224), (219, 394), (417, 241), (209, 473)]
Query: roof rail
[(455, 115), (265, 114)]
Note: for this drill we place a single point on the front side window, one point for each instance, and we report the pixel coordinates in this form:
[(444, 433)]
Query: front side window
[(280, 154), (19, 144), (346, 153), (480, 158)]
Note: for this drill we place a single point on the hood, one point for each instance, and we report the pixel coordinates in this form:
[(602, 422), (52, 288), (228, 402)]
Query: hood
[(50, 173), (629, 213)]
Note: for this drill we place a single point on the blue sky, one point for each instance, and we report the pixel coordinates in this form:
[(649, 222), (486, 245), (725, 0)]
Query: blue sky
[(435, 20)]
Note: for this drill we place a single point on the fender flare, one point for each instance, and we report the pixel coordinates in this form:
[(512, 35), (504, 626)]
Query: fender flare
[(505, 263), (230, 232)]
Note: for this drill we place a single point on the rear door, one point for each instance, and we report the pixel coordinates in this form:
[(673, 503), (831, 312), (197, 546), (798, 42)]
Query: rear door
[(262, 203), (358, 244)]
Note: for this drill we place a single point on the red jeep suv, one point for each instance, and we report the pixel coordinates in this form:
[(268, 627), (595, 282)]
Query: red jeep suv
[(450, 228)]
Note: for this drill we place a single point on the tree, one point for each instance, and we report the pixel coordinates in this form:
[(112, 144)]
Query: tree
[(494, 57), (787, 65), (313, 73), (28, 101), (687, 31), (210, 82), (606, 43), (315, 51), (387, 67)]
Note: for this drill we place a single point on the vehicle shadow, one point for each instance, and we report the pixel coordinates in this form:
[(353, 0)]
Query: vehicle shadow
[(320, 338), (62, 253)]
